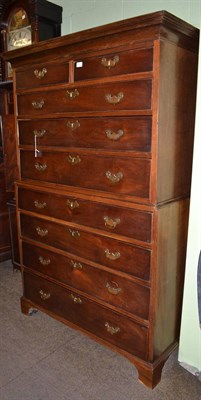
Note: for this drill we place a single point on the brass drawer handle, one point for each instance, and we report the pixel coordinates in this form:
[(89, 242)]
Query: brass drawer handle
[(39, 205), (43, 261), (74, 234), (37, 105), (72, 204), (112, 256), (39, 74), (72, 94), (113, 330), (40, 167), (110, 62), (39, 134), (75, 299), (76, 265), (111, 223), (114, 99), (113, 287), (74, 159), (41, 232), (114, 178), (114, 135), (43, 295), (73, 125)]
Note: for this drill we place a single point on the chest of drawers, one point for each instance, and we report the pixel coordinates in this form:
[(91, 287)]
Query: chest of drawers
[(104, 124)]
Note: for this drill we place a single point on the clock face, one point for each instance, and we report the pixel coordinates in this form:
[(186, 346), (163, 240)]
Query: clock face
[(19, 30), (19, 38)]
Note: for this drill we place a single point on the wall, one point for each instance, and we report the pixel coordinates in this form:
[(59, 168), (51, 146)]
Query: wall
[(190, 339), (83, 14)]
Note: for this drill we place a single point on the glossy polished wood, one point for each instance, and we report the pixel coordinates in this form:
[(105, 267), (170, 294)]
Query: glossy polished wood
[(88, 314), (13, 233), (134, 95), (4, 220), (130, 133), (10, 156), (105, 170), (107, 286), (5, 246), (43, 74), (114, 64), (102, 249), (9, 225), (89, 171), (117, 220)]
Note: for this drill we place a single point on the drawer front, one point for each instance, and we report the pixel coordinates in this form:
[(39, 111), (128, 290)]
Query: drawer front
[(103, 250), (42, 74), (129, 176), (135, 95), (132, 133), (126, 62), (103, 285), (122, 221), (90, 316)]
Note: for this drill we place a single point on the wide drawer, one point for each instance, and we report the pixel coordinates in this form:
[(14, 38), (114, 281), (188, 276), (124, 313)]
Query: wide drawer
[(131, 133), (135, 95), (42, 74), (103, 285), (122, 221), (113, 253), (130, 61), (129, 176), (104, 323)]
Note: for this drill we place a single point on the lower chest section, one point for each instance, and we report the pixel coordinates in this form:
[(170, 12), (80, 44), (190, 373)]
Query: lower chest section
[(88, 263)]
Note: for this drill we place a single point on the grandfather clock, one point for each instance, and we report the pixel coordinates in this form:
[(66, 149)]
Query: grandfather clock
[(22, 23)]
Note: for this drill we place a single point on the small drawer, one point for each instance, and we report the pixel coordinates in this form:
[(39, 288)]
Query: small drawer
[(125, 62), (118, 220), (135, 95), (42, 74), (113, 253), (103, 285), (129, 176), (88, 315), (131, 133)]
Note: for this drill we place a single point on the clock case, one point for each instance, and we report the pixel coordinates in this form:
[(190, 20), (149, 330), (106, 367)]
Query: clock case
[(45, 19)]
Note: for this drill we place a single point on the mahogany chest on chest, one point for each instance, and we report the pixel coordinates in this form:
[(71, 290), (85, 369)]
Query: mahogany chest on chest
[(104, 124)]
